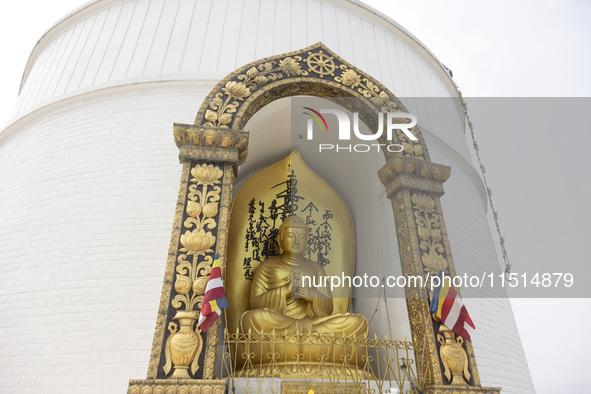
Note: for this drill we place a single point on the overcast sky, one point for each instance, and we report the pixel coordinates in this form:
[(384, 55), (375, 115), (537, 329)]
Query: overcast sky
[(495, 48)]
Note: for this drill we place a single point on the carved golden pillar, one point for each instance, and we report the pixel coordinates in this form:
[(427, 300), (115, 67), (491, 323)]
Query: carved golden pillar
[(415, 186), (183, 358)]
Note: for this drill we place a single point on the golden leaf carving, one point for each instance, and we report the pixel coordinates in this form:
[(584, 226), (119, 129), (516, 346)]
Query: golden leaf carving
[(211, 116), (226, 118), (261, 80), (429, 232), (417, 150), (194, 208), (210, 209), (423, 233), (252, 72), (436, 235), (199, 285), (183, 284)]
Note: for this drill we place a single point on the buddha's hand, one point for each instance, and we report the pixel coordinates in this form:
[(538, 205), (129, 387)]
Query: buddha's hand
[(303, 292)]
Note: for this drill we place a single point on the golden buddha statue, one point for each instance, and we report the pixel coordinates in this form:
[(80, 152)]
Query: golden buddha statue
[(280, 304)]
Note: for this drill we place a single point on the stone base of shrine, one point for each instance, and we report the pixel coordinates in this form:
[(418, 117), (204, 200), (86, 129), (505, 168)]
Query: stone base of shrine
[(176, 386)]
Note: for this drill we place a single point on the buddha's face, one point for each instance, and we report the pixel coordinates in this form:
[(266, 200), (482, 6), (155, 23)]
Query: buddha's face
[(294, 241)]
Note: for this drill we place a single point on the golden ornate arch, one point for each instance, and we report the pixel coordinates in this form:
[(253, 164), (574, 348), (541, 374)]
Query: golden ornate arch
[(312, 71), (211, 150)]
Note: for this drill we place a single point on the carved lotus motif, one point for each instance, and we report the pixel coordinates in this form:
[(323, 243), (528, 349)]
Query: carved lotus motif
[(423, 202), (434, 262), (236, 90), (290, 67), (183, 284), (197, 242), (206, 174), (350, 78)]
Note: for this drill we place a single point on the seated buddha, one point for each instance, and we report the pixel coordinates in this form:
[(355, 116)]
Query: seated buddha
[(279, 304)]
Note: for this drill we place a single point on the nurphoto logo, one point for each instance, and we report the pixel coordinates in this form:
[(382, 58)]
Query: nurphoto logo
[(344, 130)]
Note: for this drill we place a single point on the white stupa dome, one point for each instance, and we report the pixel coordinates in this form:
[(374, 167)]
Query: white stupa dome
[(90, 175)]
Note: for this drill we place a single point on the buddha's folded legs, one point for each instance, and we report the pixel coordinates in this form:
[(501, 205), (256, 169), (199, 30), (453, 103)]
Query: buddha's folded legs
[(266, 321), (345, 324)]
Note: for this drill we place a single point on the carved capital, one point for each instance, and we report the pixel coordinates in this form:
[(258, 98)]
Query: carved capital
[(413, 174), (211, 144)]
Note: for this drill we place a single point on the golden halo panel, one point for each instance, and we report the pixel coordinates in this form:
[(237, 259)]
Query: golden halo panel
[(257, 212)]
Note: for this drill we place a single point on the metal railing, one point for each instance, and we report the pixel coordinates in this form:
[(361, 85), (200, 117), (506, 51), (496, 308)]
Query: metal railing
[(331, 363)]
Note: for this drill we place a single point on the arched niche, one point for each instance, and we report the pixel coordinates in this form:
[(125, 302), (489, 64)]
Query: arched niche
[(254, 96)]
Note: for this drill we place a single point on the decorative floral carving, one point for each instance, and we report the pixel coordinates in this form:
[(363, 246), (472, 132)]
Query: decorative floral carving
[(429, 232), (222, 108), (236, 90), (206, 174), (194, 209), (183, 284), (290, 67), (197, 242), (210, 209), (199, 285), (223, 105), (349, 78), (383, 101), (194, 262)]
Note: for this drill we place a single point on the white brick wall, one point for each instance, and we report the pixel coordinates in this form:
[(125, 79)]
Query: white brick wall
[(87, 198)]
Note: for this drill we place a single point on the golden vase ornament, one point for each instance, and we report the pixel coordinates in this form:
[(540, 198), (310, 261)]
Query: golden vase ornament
[(453, 356), (184, 345)]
